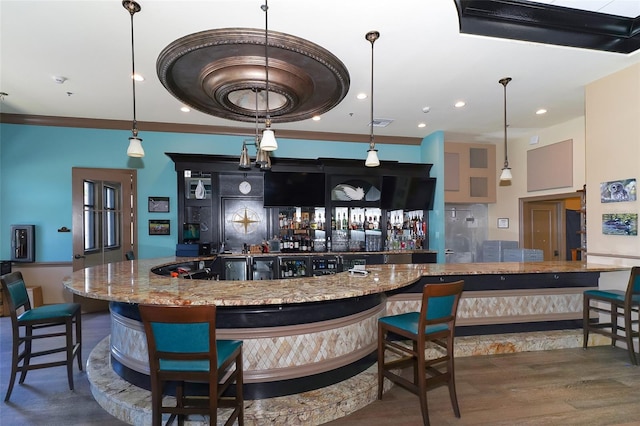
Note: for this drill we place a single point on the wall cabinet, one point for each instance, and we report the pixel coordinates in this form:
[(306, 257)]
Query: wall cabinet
[(469, 173), (355, 208)]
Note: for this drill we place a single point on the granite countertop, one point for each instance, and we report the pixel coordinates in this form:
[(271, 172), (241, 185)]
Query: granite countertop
[(133, 282), (327, 253)]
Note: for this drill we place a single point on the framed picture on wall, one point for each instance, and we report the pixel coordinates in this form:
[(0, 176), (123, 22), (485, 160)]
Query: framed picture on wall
[(503, 222), (159, 227), (159, 204), (620, 224), (618, 190)]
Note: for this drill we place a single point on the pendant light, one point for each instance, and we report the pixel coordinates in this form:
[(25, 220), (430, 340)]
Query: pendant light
[(245, 162), (268, 142), (372, 154), (135, 143), (261, 158), (505, 176)]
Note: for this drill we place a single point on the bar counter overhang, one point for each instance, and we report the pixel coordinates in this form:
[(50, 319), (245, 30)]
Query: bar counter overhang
[(309, 333)]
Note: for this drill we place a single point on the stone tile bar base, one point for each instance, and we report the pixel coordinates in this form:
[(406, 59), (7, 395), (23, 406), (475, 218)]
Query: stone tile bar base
[(133, 405)]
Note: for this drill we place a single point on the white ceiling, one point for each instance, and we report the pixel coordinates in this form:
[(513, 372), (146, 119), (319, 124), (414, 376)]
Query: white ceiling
[(421, 60)]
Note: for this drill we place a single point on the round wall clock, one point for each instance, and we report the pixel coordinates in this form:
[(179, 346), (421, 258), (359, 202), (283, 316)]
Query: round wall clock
[(244, 187)]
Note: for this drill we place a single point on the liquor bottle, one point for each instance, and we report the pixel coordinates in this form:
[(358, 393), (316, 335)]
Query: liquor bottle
[(345, 222)]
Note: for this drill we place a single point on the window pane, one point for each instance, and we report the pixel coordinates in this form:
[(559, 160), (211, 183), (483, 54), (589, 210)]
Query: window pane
[(89, 193), (90, 242), (111, 217)]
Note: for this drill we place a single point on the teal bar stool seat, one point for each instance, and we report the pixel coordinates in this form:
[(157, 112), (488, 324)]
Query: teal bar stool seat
[(618, 305), (407, 336), (183, 349), (27, 324)]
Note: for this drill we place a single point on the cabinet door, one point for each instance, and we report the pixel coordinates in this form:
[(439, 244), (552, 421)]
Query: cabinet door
[(469, 173)]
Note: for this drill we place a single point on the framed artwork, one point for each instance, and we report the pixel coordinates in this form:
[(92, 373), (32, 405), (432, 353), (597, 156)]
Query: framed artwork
[(618, 190), (159, 204), (620, 224), (503, 222), (159, 227)]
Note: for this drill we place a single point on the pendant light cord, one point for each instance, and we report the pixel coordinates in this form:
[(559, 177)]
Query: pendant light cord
[(504, 82), (372, 36), (257, 131), (265, 7), (133, 7), (371, 140)]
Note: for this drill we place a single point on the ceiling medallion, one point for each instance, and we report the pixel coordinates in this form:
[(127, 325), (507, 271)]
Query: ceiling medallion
[(218, 71)]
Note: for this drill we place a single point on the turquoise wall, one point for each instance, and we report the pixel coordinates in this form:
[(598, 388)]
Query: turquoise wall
[(432, 151), (36, 163)]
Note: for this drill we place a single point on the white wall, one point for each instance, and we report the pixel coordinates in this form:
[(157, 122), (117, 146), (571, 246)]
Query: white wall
[(509, 196), (613, 137)]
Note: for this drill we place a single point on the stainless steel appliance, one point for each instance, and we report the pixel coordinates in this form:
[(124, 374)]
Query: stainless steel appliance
[(235, 269), (263, 268)]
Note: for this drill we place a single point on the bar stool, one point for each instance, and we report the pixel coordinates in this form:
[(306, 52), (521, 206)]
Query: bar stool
[(434, 323), (616, 304), (183, 349), (26, 323)]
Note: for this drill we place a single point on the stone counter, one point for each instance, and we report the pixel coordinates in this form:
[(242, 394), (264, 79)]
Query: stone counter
[(311, 336), (133, 282)]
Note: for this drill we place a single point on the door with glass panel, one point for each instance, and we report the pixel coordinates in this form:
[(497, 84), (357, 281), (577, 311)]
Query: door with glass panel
[(104, 216)]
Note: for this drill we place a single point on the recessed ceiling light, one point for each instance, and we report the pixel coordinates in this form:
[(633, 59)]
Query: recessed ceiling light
[(137, 77), (316, 118), (541, 111), (459, 104), (362, 96), (185, 109), (421, 125)]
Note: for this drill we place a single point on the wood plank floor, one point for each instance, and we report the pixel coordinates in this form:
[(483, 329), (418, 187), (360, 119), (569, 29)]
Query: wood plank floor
[(562, 387)]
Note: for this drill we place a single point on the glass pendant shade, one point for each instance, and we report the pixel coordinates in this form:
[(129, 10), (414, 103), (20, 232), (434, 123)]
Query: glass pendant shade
[(372, 158), (135, 147), (245, 162), (268, 142), (506, 174), (267, 163), (261, 158)]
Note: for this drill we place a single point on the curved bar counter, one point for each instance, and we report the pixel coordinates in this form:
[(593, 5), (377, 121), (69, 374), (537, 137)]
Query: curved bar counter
[(299, 334)]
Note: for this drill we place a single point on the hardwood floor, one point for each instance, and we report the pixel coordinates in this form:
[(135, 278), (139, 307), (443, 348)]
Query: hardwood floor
[(563, 387)]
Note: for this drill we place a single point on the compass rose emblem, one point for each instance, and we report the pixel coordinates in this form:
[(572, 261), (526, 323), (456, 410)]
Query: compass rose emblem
[(245, 221)]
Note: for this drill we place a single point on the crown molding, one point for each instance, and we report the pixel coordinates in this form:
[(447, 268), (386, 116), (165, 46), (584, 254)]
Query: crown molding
[(150, 126)]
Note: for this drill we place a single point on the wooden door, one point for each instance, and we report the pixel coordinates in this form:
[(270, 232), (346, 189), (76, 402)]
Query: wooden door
[(104, 219), (543, 228)]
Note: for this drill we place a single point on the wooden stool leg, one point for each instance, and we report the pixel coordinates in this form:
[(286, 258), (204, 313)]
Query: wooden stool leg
[(452, 382), (585, 321), (79, 338), (14, 366), (69, 336), (380, 361), (27, 353), (420, 373), (628, 324)]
